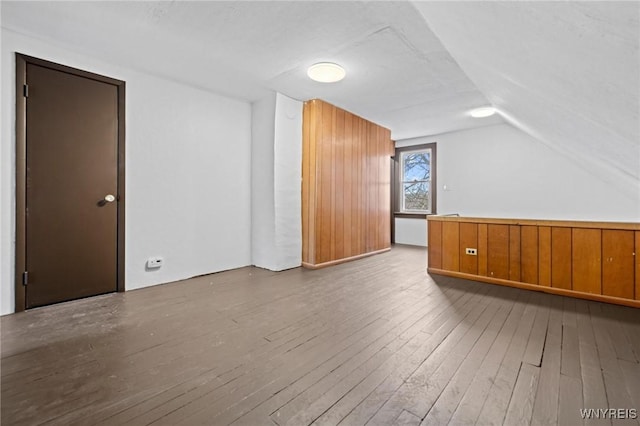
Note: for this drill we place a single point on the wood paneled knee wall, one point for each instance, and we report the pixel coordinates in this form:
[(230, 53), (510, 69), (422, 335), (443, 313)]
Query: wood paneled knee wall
[(346, 186), (591, 260)]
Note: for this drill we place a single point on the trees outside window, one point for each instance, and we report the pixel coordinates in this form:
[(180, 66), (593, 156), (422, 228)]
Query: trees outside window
[(416, 188)]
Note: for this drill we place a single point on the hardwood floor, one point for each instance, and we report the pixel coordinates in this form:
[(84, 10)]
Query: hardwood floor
[(376, 341)]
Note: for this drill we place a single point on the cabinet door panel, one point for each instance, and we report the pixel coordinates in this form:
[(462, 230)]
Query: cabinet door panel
[(435, 244), (618, 263), (498, 251), (561, 258), (587, 260), (451, 246), (529, 254), (637, 256), (468, 239), (544, 256), (514, 253), (482, 249)]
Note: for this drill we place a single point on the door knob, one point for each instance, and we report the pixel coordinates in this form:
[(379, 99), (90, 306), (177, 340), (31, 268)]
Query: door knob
[(109, 198)]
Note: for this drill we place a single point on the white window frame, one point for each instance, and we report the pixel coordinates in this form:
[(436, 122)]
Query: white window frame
[(401, 154)]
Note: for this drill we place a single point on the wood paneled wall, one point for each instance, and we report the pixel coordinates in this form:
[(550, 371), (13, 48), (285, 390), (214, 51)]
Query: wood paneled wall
[(592, 260), (346, 186)]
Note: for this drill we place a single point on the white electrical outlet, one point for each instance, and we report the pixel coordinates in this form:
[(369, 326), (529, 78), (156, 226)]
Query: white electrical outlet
[(472, 251), (155, 262)]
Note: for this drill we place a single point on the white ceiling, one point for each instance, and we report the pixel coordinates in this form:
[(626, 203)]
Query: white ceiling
[(398, 73), (565, 72)]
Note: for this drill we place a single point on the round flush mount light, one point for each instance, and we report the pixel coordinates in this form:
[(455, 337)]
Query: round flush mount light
[(483, 112), (326, 72)]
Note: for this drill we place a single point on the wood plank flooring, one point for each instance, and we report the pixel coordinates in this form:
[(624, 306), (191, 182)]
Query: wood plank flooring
[(375, 341)]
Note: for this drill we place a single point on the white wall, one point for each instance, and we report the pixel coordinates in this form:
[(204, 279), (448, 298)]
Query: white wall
[(262, 166), (411, 231), (187, 172), (499, 171), (288, 181), (276, 238)]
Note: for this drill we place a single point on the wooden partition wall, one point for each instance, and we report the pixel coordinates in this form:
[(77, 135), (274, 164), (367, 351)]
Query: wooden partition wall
[(346, 186), (591, 260)]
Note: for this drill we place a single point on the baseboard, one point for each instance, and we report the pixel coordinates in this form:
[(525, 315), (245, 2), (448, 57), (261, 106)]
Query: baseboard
[(552, 290), (346, 259)]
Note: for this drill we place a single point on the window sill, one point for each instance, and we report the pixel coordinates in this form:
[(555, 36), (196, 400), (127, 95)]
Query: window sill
[(411, 215)]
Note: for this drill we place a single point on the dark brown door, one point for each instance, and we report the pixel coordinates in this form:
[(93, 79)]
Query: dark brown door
[(71, 186)]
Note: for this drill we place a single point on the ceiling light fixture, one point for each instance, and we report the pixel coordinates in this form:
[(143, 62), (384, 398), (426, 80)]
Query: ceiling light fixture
[(326, 72), (483, 112)]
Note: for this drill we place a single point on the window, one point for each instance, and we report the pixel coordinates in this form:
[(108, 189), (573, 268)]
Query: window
[(416, 179)]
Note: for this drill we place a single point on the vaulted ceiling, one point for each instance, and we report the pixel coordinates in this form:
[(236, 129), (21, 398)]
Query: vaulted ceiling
[(565, 72)]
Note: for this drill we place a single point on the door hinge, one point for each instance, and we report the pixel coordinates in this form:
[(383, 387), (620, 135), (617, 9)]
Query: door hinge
[(25, 278), (26, 91)]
